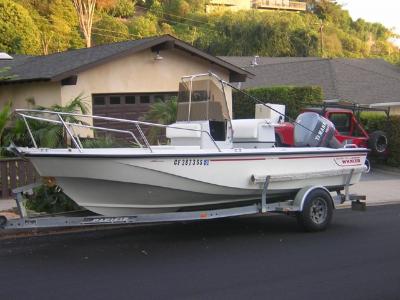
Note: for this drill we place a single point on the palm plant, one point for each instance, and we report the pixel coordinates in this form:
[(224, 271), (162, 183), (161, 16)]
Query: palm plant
[(161, 113), (100, 142), (5, 115), (47, 134)]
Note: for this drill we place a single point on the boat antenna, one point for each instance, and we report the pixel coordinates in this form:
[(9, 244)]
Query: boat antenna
[(266, 105)]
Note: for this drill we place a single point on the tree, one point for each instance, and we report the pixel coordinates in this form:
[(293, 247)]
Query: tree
[(123, 9), (58, 24), (109, 30), (18, 32), (144, 26), (85, 10)]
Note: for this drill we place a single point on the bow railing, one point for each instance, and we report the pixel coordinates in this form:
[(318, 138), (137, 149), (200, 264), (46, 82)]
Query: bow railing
[(60, 118)]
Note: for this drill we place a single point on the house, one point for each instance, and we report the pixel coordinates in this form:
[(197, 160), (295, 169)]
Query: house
[(236, 5), (374, 82), (118, 80)]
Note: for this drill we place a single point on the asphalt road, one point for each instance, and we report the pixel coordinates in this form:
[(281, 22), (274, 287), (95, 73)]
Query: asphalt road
[(247, 258)]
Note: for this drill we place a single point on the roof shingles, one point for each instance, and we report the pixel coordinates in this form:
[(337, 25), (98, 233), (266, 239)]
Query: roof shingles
[(60, 65), (363, 81)]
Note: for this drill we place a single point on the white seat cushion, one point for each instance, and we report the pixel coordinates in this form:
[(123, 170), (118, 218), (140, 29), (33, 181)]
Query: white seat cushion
[(246, 128), (175, 131)]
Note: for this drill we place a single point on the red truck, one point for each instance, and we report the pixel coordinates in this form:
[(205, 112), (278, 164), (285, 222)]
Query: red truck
[(348, 129)]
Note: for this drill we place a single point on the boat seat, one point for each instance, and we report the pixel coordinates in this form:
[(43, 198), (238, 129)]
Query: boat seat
[(248, 128), (179, 132)]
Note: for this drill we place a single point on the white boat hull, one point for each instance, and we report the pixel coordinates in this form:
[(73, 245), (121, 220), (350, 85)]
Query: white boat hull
[(132, 181)]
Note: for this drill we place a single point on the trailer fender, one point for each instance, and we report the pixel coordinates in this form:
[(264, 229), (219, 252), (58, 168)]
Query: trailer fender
[(301, 196)]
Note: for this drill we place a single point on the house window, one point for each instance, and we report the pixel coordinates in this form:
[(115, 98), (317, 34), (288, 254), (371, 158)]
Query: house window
[(130, 106), (98, 100), (130, 100), (115, 100), (144, 99)]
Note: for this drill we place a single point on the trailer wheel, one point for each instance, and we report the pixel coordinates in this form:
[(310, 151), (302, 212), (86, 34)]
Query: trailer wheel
[(317, 211), (278, 141), (3, 221)]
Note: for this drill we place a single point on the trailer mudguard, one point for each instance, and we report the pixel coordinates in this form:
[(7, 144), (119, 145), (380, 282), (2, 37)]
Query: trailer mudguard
[(301, 196)]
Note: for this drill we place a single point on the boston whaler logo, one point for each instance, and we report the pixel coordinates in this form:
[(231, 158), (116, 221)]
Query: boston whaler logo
[(348, 161)]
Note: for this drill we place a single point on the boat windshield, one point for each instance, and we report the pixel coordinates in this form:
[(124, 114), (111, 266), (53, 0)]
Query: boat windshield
[(202, 98)]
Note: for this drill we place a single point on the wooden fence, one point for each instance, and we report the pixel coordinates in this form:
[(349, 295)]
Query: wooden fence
[(15, 172)]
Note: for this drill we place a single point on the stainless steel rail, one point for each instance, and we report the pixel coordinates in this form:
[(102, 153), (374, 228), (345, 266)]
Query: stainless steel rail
[(30, 114)]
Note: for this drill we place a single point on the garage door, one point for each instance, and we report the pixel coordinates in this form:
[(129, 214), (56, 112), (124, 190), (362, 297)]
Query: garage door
[(125, 106)]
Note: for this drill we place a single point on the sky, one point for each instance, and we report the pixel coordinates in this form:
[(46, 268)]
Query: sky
[(386, 12)]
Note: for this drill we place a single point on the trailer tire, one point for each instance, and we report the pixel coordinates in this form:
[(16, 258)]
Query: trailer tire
[(317, 211), (278, 141), (3, 221), (378, 142)]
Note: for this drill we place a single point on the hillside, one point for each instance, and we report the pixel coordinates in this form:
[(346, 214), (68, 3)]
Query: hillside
[(47, 26)]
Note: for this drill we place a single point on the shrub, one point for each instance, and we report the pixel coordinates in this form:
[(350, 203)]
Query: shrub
[(373, 121), (393, 131), (379, 121), (50, 199), (294, 98)]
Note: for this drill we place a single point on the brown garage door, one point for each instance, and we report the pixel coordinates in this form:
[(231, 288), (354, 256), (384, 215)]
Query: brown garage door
[(125, 106)]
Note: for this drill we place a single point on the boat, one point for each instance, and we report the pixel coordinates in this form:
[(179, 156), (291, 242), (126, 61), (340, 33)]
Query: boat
[(209, 161)]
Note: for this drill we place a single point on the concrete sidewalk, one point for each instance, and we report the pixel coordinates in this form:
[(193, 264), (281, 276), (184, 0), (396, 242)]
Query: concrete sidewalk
[(380, 186)]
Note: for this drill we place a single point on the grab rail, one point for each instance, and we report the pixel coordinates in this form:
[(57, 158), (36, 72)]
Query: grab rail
[(25, 114)]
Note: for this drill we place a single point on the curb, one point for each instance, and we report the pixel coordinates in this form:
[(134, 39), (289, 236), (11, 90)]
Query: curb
[(369, 204), (386, 169)]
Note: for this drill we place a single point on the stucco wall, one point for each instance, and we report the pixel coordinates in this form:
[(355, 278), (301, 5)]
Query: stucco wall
[(43, 93), (395, 111), (140, 72)]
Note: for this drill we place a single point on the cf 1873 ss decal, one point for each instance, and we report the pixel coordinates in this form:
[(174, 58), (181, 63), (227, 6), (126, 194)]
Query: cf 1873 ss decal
[(191, 162)]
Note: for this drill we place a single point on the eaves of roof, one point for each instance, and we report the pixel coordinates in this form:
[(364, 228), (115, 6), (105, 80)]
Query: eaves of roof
[(107, 53)]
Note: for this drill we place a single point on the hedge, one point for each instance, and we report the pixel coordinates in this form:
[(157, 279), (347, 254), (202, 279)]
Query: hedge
[(294, 98), (376, 121)]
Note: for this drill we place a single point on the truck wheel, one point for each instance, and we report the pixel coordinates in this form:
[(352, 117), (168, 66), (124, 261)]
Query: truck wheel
[(378, 142), (317, 211)]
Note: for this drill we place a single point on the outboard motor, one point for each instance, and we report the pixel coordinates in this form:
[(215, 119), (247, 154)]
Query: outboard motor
[(313, 130)]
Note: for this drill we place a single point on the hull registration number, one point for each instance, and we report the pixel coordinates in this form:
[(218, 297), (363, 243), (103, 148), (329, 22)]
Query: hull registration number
[(191, 162)]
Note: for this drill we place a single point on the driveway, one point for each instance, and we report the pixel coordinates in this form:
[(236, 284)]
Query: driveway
[(380, 186)]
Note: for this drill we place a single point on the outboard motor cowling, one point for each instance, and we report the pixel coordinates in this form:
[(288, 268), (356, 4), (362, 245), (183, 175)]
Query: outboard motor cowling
[(313, 130)]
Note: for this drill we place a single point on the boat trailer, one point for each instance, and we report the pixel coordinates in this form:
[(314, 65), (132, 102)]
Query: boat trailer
[(308, 205)]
